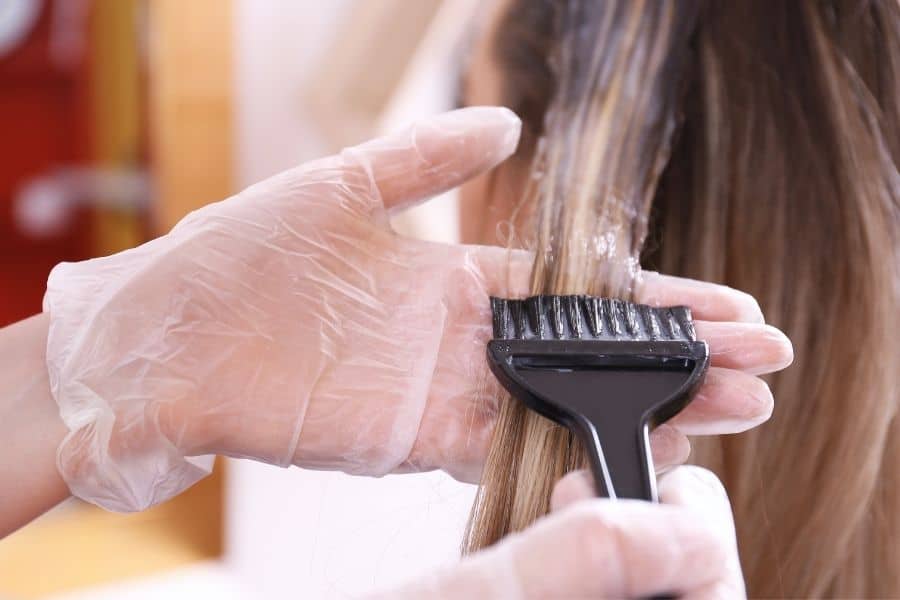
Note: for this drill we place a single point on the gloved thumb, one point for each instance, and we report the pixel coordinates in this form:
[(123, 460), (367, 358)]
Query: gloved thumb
[(436, 154)]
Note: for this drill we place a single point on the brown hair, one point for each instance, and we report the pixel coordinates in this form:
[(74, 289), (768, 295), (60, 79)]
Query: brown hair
[(757, 142)]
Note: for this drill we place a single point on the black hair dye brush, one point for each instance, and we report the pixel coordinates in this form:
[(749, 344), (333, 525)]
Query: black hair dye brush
[(608, 370)]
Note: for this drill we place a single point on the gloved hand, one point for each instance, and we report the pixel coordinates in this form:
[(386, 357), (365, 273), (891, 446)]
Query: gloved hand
[(290, 325), (597, 548)]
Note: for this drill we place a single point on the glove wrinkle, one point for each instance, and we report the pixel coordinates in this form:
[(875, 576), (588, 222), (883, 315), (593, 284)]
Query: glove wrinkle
[(288, 324)]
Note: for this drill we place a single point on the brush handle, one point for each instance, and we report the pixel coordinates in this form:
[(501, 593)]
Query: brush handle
[(613, 426), (608, 393), (609, 409), (622, 461)]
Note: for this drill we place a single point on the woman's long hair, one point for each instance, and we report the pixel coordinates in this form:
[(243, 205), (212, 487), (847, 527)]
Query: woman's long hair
[(753, 143)]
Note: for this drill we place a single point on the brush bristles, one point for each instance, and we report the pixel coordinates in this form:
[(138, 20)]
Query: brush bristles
[(588, 318)]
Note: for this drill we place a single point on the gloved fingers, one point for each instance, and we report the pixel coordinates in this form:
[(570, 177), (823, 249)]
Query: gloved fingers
[(707, 301), (436, 154), (600, 548), (729, 401), (702, 495), (749, 347), (591, 548), (687, 486), (731, 322), (669, 447), (573, 487), (700, 491)]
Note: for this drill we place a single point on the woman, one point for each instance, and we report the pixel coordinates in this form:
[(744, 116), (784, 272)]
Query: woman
[(753, 144)]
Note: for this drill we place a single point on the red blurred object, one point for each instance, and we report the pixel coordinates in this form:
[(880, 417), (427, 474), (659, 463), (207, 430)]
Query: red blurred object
[(44, 125)]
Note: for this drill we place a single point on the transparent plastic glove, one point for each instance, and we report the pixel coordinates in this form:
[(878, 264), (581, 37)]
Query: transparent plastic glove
[(597, 548), (287, 324), (290, 325), (733, 397)]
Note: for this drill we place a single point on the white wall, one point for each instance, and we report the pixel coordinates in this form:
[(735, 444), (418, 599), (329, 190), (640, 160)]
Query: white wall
[(303, 534), (277, 44)]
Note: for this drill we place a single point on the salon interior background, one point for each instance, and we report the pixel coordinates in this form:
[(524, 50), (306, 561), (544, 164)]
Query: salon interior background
[(117, 118)]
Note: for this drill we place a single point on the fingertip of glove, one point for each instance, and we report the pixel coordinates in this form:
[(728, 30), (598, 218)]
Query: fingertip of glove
[(483, 136)]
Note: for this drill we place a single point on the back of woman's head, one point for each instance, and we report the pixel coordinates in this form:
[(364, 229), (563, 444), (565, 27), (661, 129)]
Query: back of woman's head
[(754, 144)]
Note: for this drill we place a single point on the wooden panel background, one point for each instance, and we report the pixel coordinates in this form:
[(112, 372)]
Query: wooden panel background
[(190, 104)]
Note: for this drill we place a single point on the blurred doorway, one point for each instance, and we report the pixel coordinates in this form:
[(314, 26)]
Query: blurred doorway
[(106, 140), (45, 124)]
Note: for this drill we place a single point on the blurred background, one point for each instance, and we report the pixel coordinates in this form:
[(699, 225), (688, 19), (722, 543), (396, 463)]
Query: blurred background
[(117, 117)]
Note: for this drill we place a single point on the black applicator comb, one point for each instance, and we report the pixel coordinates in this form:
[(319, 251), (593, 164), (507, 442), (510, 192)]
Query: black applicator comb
[(608, 370)]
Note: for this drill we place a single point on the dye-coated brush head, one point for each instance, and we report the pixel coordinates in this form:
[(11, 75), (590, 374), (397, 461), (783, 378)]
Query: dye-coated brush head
[(588, 318), (606, 369)]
